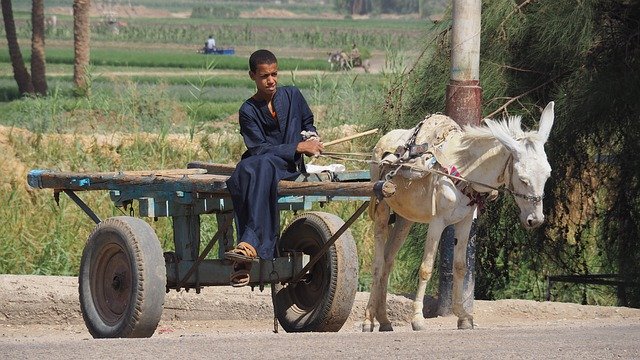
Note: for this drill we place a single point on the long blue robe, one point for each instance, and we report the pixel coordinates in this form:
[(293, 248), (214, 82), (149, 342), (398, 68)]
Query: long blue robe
[(270, 157)]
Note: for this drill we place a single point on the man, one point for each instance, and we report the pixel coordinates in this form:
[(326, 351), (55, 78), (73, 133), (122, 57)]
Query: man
[(210, 44), (276, 124), (355, 56)]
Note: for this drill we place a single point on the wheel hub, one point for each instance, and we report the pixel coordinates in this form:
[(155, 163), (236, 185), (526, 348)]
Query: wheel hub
[(117, 281), (111, 282)]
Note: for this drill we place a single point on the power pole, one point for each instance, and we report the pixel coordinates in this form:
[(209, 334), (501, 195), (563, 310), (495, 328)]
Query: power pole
[(463, 104)]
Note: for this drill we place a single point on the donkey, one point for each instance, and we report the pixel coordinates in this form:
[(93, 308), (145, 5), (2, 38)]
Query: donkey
[(338, 61), (442, 186)]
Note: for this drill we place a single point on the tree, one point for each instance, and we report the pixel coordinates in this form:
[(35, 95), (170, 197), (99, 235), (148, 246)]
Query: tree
[(360, 7), (590, 66), (81, 45), (20, 73), (37, 48)]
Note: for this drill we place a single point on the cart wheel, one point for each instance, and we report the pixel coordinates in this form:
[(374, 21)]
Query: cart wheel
[(122, 279), (322, 300)]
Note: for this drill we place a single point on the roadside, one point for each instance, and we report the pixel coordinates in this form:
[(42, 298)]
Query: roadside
[(35, 306)]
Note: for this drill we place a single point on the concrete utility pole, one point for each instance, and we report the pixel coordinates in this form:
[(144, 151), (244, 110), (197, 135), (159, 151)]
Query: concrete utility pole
[(464, 98), (464, 94)]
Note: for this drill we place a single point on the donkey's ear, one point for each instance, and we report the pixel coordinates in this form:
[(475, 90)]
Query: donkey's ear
[(502, 134), (546, 122)]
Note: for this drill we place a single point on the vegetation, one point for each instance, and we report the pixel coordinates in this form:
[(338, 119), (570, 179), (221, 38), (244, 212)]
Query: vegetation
[(589, 67), (151, 106), (400, 34), (154, 103)]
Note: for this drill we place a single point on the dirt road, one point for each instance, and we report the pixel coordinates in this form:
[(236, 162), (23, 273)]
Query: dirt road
[(40, 318)]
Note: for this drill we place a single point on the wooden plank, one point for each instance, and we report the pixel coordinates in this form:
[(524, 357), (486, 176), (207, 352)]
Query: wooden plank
[(168, 172), (212, 168), (224, 169), (198, 183)]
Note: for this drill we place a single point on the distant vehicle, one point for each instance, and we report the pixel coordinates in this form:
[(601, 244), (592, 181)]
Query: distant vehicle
[(217, 51), (341, 61)]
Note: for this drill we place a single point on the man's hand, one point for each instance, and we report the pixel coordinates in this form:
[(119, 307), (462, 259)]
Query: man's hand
[(311, 147)]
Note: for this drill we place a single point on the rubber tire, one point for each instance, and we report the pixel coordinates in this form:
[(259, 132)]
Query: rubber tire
[(122, 279), (323, 301)]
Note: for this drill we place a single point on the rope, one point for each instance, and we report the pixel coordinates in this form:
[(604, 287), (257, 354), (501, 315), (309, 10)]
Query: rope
[(502, 189)]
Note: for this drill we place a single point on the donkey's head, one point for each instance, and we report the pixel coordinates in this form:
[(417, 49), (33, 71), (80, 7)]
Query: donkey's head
[(530, 168)]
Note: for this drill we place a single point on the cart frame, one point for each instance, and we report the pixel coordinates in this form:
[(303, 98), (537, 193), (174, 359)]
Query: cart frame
[(185, 195)]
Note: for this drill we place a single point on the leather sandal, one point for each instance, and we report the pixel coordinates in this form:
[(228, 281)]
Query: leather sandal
[(242, 253), (240, 275)]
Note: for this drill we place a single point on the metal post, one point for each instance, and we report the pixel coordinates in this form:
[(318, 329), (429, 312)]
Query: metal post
[(463, 104)]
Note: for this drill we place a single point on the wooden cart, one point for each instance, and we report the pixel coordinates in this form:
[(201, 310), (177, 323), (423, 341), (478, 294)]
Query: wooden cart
[(124, 272)]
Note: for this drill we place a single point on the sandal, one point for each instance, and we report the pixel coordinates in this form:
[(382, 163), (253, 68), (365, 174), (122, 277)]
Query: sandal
[(240, 275), (242, 253)]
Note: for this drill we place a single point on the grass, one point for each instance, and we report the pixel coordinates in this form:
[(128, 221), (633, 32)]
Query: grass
[(156, 106), (402, 34), (159, 58), (126, 125), (188, 5)]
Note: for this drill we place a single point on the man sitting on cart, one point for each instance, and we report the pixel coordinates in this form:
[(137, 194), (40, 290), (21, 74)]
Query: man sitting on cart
[(276, 124)]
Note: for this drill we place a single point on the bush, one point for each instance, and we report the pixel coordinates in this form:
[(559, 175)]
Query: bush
[(215, 12)]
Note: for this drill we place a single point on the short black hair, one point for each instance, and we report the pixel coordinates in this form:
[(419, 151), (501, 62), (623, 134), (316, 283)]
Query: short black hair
[(259, 57)]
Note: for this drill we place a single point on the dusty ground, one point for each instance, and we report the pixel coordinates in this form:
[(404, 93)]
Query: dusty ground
[(47, 306)]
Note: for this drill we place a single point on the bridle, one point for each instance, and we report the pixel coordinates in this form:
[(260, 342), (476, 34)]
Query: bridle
[(503, 189)]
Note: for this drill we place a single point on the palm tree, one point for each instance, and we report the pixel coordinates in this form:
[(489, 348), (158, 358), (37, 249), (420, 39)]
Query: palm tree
[(81, 44), (20, 73), (38, 78)]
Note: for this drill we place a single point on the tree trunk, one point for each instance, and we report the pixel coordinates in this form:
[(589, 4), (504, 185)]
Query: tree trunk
[(20, 73), (81, 45), (37, 48), (359, 7)]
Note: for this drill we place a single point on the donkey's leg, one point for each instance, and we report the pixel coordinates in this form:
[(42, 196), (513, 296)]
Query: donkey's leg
[(462, 229), (426, 270), (397, 237), (381, 233)]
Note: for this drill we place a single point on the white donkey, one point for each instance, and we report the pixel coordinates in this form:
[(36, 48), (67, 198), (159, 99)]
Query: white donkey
[(498, 156)]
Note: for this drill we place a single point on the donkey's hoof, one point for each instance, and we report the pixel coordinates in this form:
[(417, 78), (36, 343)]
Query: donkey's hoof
[(418, 325), (367, 327), (465, 323), (386, 327)]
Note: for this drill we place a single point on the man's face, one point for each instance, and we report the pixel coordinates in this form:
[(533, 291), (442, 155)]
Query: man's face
[(266, 78)]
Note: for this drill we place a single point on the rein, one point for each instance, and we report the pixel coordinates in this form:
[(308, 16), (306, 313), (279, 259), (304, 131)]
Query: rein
[(503, 189)]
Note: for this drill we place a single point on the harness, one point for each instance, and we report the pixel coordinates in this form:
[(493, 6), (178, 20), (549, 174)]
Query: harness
[(410, 151)]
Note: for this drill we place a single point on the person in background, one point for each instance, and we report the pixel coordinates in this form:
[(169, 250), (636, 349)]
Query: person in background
[(355, 56), (277, 127), (210, 44)]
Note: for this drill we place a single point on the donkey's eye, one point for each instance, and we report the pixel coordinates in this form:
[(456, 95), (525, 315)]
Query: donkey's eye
[(523, 181)]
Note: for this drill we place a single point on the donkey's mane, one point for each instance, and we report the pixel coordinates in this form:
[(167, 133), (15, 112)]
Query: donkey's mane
[(478, 140), (474, 135)]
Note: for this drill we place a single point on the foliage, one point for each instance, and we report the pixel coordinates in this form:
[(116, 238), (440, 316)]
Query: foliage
[(126, 125), (165, 58), (351, 7), (215, 11), (530, 55), (302, 33)]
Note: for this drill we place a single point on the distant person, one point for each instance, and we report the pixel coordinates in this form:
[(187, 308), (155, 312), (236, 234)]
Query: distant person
[(355, 56), (210, 44)]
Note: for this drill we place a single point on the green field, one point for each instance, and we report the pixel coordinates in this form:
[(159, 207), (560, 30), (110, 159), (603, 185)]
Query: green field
[(156, 104)]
